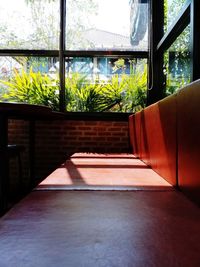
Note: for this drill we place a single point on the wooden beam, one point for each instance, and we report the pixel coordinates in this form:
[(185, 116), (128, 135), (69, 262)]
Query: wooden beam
[(155, 90), (195, 40)]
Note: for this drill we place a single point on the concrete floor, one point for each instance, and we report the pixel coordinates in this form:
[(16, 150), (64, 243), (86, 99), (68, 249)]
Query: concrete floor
[(154, 226)]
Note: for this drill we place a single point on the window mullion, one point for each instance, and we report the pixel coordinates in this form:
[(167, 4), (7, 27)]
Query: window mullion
[(195, 40), (61, 54)]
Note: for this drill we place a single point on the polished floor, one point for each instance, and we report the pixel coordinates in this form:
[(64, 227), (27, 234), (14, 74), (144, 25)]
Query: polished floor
[(146, 227), (95, 229)]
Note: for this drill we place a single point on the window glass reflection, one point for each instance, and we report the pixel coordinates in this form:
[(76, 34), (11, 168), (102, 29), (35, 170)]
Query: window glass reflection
[(107, 25), (171, 10), (177, 63)]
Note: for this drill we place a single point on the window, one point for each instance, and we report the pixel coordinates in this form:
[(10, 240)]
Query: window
[(33, 80), (105, 28), (29, 24), (171, 9), (107, 25), (177, 63), (174, 51), (97, 50), (110, 84)]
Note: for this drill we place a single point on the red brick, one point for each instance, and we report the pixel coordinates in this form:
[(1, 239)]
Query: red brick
[(114, 129), (99, 138), (84, 138), (104, 123), (90, 123), (90, 143), (104, 134), (69, 138), (84, 128), (120, 123), (90, 133), (116, 134), (78, 133), (99, 128), (112, 139)]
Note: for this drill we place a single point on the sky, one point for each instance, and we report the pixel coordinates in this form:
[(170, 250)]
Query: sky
[(114, 15), (14, 9)]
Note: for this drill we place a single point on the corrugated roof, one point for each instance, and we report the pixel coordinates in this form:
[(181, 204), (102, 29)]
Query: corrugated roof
[(100, 38)]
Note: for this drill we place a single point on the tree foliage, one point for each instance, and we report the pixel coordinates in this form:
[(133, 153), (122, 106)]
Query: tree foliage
[(42, 17), (171, 9), (47, 26)]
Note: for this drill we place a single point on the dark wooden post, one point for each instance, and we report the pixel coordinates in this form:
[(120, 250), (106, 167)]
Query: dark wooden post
[(61, 54), (32, 181), (156, 31), (195, 39), (3, 164)]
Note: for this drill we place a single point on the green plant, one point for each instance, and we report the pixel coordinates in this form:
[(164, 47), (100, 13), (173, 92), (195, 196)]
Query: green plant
[(33, 88), (112, 93), (122, 93), (126, 93), (135, 91), (82, 95)]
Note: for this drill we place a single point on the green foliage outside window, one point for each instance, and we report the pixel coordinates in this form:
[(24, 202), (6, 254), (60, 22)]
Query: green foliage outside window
[(171, 9), (177, 58), (122, 93), (177, 63), (32, 88)]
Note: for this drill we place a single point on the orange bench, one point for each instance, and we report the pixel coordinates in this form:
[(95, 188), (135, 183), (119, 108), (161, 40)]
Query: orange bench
[(166, 136)]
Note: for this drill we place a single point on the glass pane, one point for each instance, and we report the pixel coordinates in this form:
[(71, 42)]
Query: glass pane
[(105, 84), (177, 63), (171, 10), (107, 25), (30, 80), (28, 24)]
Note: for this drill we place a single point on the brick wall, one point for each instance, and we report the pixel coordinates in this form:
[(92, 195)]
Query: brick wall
[(56, 140)]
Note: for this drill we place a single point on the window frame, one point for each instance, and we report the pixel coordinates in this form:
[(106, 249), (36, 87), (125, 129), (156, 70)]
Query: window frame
[(160, 42)]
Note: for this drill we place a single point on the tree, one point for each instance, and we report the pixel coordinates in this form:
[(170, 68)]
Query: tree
[(46, 23), (35, 23), (78, 19), (171, 9)]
